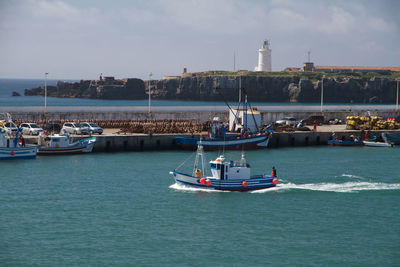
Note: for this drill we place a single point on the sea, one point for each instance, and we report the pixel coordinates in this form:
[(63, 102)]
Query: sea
[(333, 206)]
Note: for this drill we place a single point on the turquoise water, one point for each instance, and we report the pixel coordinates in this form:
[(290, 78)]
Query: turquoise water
[(333, 206)]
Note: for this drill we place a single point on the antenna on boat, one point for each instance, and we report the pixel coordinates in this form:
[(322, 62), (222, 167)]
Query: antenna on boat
[(243, 159)]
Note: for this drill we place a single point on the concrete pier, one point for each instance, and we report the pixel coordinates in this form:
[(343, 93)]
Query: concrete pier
[(111, 142)]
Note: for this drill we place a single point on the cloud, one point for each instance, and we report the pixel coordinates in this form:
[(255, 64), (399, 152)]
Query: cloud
[(224, 16), (339, 21), (380, 25), (164, 35)]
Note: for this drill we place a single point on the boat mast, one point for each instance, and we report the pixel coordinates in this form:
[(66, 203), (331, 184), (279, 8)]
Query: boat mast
[(45, 96), (245, 112), (199, 153)]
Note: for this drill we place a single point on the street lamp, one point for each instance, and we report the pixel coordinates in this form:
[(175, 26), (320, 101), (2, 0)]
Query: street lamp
[(322, 92), (45, 91), (151, 74), (397, 97)]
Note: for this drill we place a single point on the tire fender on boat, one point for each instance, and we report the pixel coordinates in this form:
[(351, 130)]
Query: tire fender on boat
[(274, 181), (244, 183)]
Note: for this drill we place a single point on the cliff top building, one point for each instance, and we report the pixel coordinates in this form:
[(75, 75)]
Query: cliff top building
[(355, 69), (264, 58)]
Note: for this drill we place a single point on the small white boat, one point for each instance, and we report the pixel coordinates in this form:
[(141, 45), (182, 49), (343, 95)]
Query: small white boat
[(61, 144), (226, 175), (377, 144), (11, 148)]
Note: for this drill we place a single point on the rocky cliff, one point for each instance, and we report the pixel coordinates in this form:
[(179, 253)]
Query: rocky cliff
[(290, 88), (107, 89), (277, 89)]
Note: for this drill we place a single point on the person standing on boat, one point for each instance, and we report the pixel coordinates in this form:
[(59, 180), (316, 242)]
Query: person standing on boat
[(273, 173), (22, 140)]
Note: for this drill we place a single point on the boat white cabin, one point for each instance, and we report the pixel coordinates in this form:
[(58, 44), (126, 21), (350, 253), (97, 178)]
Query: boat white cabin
[(227, 170)]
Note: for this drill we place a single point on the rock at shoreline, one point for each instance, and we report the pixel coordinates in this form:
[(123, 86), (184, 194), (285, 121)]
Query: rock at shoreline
[(15, 94), (107, 89)]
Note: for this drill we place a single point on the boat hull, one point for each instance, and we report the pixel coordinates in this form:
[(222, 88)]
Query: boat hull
[(250, 143), (253, 183), (344, 143), (18, 152), (377, 144), (66, 150)]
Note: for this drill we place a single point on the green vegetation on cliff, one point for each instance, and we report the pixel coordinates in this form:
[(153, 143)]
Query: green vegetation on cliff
[(313, 76)]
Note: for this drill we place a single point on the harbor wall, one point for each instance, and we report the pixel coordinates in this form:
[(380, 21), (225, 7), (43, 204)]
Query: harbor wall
[(159, 142)]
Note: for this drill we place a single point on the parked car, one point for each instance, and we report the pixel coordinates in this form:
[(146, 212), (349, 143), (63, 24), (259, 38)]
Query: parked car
[(287, 121), (30, 128), (10, 127), (91, 127), (317, 119), (73, 128), (51, 127)]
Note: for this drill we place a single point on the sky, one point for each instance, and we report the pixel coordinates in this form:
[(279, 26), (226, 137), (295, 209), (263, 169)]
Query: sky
[(79, 39)]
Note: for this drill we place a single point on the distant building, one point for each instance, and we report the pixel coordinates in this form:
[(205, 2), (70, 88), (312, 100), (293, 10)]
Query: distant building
[(308, 66), (264, 58), (355, 69)]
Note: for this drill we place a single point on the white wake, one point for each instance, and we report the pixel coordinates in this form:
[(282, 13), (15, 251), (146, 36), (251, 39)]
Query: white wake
[(188, 188), (347, 187), (352, 176)]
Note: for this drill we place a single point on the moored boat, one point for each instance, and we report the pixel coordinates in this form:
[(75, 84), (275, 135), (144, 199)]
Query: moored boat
[(243, 119), (345, 142), (226, 175), (61, 144), (12, 148), (235, 142), (377, 144)]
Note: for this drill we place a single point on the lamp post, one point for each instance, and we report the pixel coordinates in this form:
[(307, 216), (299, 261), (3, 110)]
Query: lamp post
[(397, 97), (151, 74), (322, 92), (45, 92)]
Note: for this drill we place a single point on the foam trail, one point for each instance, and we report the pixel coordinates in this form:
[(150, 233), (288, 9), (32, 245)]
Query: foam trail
[(182, 187), (347, 187), (352, 176)]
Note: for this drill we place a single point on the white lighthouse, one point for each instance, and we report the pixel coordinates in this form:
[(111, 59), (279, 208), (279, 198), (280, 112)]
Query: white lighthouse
[(264, 58)]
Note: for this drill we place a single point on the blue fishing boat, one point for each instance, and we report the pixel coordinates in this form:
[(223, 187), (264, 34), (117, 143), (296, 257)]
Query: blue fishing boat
[(225, 175), (351, 141), (218, 138), (337, 142), (229, 142), (13, 148)]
